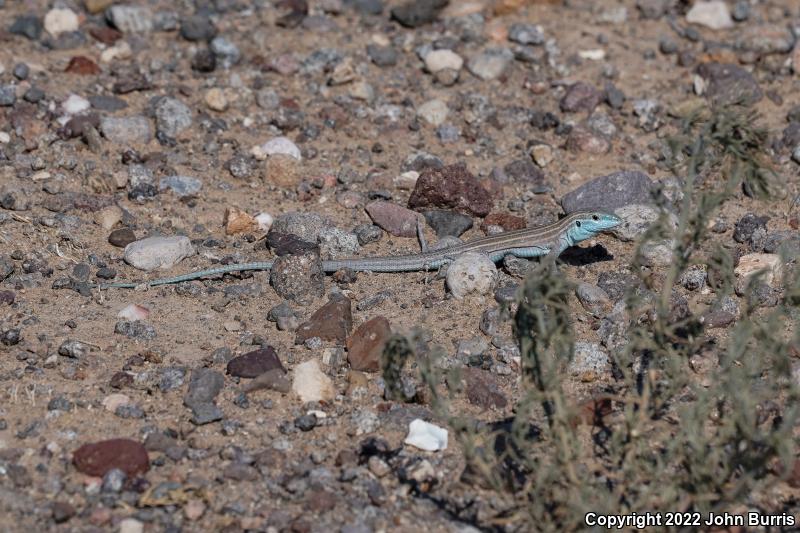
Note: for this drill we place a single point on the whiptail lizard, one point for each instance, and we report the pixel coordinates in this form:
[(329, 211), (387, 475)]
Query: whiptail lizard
[(526, 243)]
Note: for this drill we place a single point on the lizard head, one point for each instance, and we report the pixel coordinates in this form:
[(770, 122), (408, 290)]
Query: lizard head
[(586, 224)]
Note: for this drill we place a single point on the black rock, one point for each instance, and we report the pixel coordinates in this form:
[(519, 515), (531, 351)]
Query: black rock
[(197, 28), (446, 223), (418, 12), (27, 25)]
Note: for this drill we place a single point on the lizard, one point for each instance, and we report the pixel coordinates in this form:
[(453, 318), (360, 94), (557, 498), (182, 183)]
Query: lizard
[(525, 243)]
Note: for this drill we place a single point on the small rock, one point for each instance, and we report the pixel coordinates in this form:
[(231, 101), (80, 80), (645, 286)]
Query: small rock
[(27, 25), (471, 272), (542, 154), (483, 389), (97, 458), (182, 186), (491, 63), (126, 130), (580, 97), (310, 384), (237, 221), (593, 299), (255, 363), (172, 117), (524, 33), (158, 252), (365, 345), (584, 140), (131, 19), (331, 322), (383, 56), (298, 277), (729, 84), (749, 265), (446, 223), (416, 13), (279, 145), (452, 187), (62, 512), (215, 99), (438, 60), (610, 192), (58, 21), (225, 51), (114, 401), (713, 14), (394, 219), (197, 28), (284, 171), (426, 436), (121, 237), (589, 361), (134, 312), (434, 112)]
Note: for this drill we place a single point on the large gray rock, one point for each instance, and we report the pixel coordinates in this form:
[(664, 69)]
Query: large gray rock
[(610, 192)]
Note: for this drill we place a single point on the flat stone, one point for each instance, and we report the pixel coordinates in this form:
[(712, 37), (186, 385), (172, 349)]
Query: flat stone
[(97, 458), (446, 223), (255, 363), (126, 130), (394, 219), (365, 345), (331, 322), (610, 192), (158, 252)]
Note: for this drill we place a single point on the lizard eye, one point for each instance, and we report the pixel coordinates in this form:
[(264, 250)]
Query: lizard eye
[(578, 223), (595, 217)]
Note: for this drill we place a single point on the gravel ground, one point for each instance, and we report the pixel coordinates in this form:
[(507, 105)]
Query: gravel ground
[(149, 139)]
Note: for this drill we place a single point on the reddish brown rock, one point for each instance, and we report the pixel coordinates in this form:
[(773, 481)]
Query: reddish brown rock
[(394, 219), (581, 97), (452, 187), (97, 458), (82, 65), (504, 220), (105, 34), (331, 322), (255, 363), (582, 139), (365, 345), (121, 237), (483, 389)]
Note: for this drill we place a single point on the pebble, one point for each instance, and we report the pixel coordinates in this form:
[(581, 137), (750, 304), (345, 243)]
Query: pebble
[(126, 130), (225, 51), (60, 20), (438, 60), (114, 401), (542, 154), (524, 172), (636, 220), (729, 84), (182, 186), (580, 96), (765, 39), (331, 322), (215, 99), (394, 219), (73, 348), (255, 363), (130, 18), (583, 139), (589, 361), (135, 330), (158, 252), (172, 117), (310, 384), (97, 458), (751, 230), (335, 243), (483, 389), (382, 56), (121, 237), (491, 63), (298, 277), (451, 187), (8, 95), (446, 223), (278, 145), (750, 264), (197, 28), (365, 345), (593, 299), (712, 14), (471, 273), (274, 379), (27, 25), (134, 312), (426, 436), (524, 33), (610, 192), (130, 525), (434, 112), (416, 13)]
